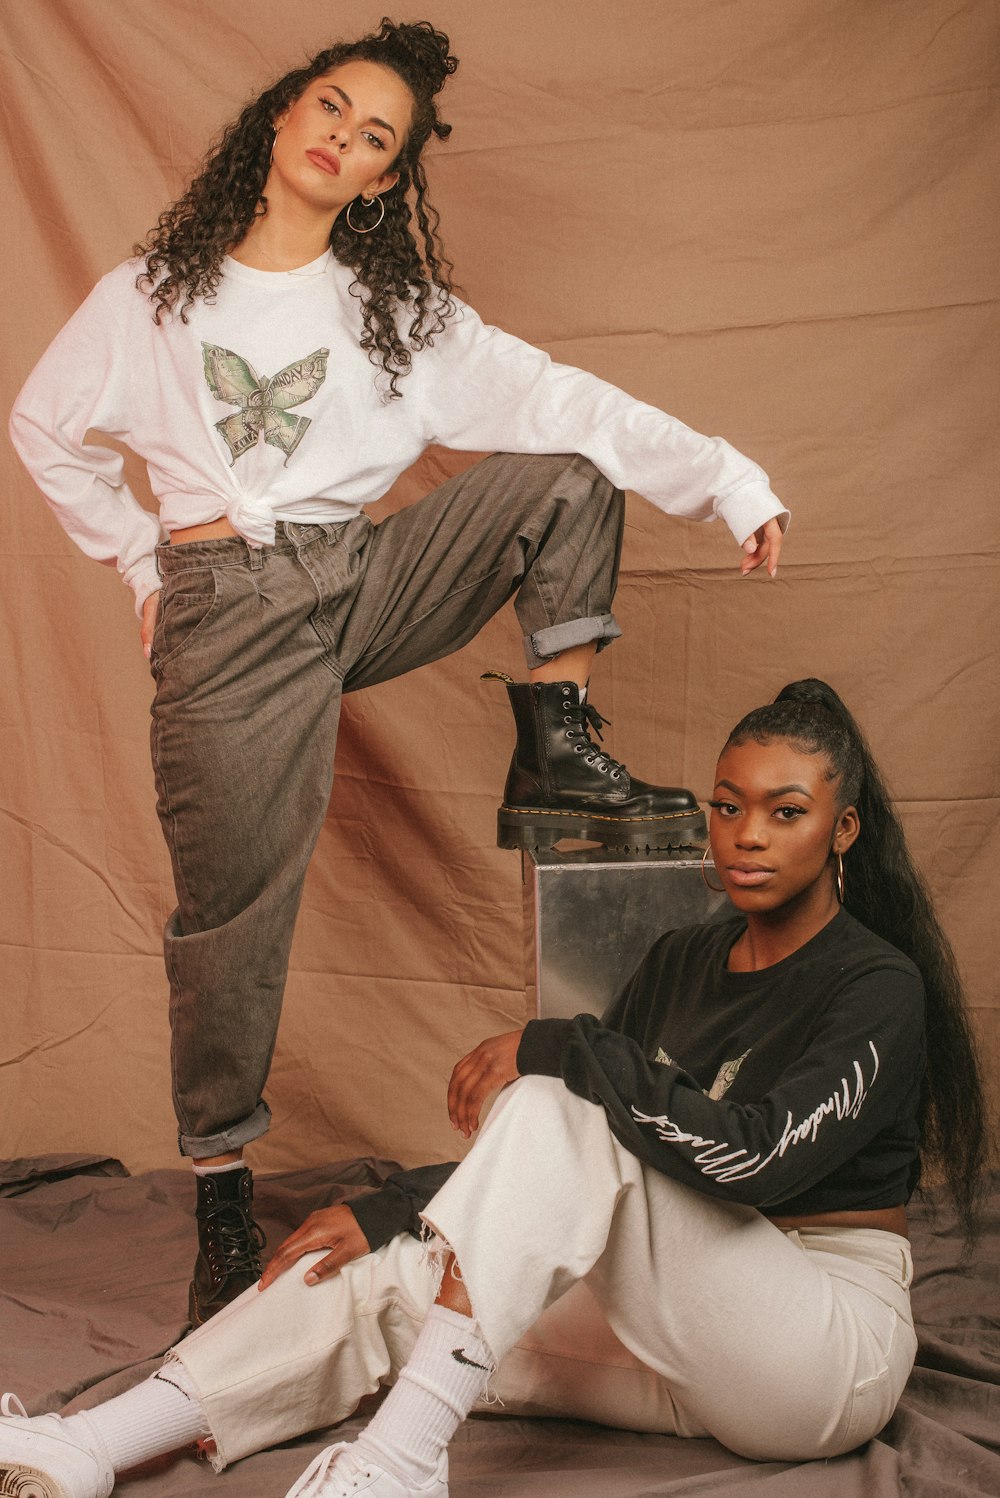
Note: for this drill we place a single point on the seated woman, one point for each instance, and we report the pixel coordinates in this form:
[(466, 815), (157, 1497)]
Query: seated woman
[(686, 1218)]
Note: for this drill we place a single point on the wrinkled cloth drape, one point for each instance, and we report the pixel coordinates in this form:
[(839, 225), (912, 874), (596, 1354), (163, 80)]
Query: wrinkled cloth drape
[(775, 220)]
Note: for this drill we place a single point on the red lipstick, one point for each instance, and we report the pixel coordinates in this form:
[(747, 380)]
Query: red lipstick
[(325, 160)]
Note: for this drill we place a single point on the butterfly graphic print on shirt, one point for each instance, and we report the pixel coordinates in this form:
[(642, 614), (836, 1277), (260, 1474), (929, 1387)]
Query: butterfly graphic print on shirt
[(264, 403)]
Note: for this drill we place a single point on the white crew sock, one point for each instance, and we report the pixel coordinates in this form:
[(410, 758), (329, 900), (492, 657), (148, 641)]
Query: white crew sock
[(159, 1415), (445, 1375), (218, 1170)]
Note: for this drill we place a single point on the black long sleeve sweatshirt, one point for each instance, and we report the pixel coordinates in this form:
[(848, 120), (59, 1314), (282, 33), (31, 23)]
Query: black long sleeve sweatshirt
[(794, 1089)]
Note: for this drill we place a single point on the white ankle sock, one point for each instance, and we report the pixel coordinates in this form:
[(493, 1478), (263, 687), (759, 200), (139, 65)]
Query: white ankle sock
[(445, 1375), (159, 1415), (218, 1170)]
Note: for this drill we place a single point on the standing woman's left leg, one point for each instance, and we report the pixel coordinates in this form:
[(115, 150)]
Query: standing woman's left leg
[(547, 530)]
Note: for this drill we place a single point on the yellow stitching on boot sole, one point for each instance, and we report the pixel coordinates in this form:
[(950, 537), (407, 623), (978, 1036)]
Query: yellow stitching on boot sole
[(596, 816)]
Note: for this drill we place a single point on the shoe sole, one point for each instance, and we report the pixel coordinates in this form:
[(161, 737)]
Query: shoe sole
[(535, 828), (196, 1316), (194, 1313), (19, 1481)]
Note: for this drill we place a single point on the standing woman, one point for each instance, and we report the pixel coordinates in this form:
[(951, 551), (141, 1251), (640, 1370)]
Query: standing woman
[(688, 1217), (286, 344)]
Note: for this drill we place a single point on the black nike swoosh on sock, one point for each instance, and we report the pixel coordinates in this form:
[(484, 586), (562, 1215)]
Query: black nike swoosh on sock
[(460, 1357), (162, 1378)]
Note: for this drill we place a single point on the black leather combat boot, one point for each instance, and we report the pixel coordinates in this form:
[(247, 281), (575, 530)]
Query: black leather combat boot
[(561, 784), (229, 1243)]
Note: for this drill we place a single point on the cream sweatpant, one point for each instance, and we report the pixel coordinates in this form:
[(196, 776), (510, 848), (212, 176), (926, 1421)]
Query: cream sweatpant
[(606, 1292)]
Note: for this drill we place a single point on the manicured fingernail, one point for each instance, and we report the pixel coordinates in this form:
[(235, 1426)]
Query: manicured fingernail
[(312, 1279)]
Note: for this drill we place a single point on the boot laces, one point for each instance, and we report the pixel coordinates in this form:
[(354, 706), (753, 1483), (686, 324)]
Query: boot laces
[(234, 1240), (586, 717)]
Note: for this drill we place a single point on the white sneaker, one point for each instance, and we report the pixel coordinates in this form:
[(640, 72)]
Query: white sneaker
[(39, 1459), (338, 1473)]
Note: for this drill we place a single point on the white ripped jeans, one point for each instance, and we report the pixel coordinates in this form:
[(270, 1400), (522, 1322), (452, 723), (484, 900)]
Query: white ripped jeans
[(606, 1291)]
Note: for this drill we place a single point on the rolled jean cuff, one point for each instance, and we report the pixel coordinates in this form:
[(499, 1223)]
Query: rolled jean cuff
[(544, 644), (204, 1146)]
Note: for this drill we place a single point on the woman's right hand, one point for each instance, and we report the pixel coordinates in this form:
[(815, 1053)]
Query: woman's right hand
[(150, 609), (335, 1228)]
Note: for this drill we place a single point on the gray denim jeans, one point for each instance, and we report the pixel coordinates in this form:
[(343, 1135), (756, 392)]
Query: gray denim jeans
[(252, 652)]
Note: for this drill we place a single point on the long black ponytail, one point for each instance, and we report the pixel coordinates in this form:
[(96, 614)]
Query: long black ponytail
[(886, 893)]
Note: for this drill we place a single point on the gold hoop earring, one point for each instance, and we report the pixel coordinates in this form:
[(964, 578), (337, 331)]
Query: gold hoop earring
[(716, 890), (367, 202), (277, 132), (840, 878)]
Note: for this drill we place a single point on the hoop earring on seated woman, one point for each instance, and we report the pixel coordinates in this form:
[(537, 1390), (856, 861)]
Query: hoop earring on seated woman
[(717, 889)]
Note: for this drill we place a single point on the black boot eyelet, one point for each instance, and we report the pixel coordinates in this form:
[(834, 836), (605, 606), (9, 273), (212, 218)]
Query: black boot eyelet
[(579, 748)]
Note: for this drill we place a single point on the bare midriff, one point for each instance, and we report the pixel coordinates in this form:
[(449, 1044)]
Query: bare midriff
[(212, 530), (885, 1220)]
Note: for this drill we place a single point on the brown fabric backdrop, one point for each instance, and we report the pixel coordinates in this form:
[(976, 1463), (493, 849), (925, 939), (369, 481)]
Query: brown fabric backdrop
[(774, 218)]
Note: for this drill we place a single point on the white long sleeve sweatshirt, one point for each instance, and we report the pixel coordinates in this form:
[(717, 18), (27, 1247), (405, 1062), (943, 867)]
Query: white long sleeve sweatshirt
[(262, 407)]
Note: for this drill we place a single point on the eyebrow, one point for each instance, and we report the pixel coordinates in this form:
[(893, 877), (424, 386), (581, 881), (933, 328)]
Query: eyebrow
[(780, 790), (373, 119)]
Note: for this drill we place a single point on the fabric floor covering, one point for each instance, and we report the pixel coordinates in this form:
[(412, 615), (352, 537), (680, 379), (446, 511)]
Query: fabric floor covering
[(94, 1290)]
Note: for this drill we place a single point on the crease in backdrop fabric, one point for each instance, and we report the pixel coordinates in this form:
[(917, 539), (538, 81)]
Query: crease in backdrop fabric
[(775, 220)]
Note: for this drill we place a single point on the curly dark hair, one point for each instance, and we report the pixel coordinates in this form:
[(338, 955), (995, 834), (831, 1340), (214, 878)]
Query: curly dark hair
[(184, 252), (883, 889)]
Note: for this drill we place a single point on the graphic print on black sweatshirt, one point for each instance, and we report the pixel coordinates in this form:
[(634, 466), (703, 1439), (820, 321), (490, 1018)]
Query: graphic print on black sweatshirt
[(264, 402), (719, 1159), (725, 1077)]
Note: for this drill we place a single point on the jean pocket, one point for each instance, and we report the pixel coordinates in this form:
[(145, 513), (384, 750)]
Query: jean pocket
[(186, 609), (875, 1398)]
